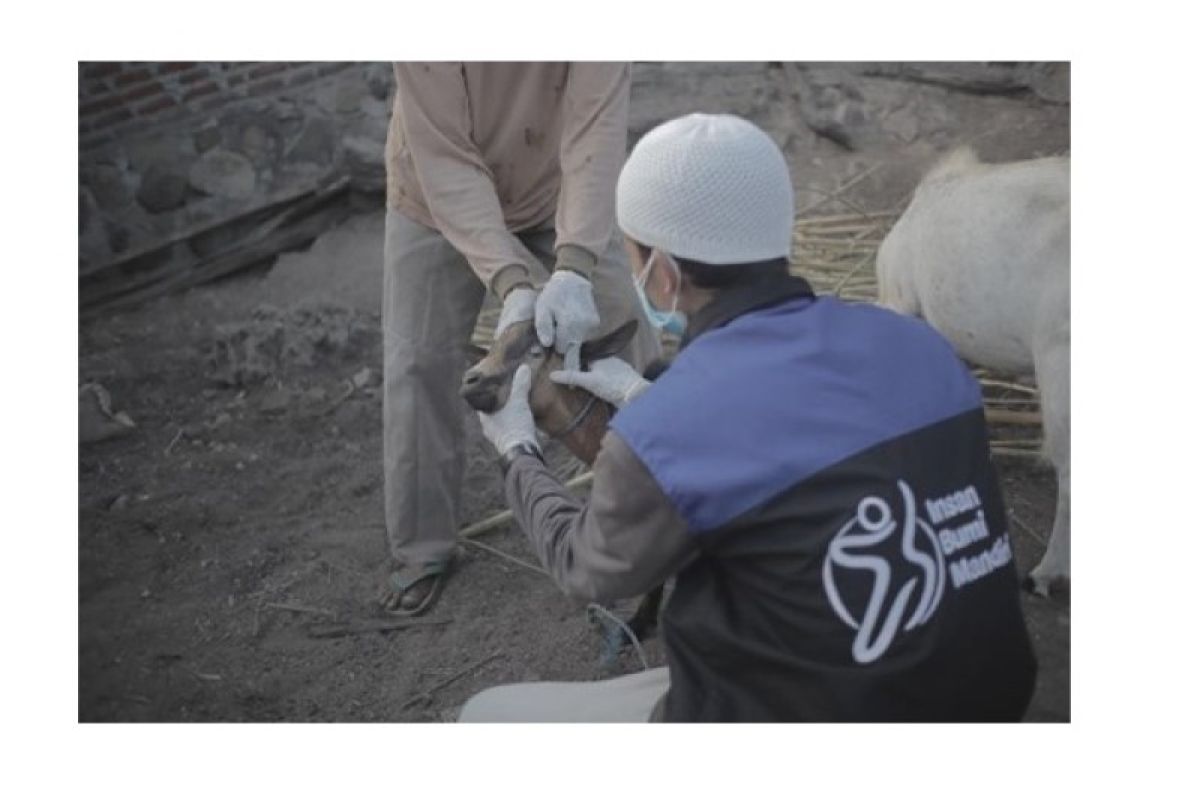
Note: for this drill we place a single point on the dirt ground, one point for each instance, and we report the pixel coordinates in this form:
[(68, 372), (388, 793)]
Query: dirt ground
[(245, 509)]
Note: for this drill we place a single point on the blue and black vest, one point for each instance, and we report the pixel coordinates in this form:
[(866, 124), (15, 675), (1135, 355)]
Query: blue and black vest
[(855, 564)]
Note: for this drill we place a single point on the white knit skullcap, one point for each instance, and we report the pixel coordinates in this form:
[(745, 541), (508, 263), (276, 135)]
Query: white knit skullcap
[(708, 187)]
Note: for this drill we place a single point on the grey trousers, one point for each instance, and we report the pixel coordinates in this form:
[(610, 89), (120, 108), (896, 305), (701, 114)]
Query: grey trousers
[(431, 299), (629, 698)]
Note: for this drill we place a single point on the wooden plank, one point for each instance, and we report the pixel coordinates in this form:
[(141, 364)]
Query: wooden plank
[(279, 202), (301, 221), (335, 630)]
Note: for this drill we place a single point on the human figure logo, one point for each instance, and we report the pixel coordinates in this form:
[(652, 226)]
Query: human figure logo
[(857, 547)]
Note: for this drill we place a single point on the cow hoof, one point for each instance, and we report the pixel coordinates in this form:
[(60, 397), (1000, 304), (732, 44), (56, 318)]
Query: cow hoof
[(1046, 587), (1035, 587)]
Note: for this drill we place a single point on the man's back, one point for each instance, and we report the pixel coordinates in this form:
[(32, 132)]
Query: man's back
[(854, 552)]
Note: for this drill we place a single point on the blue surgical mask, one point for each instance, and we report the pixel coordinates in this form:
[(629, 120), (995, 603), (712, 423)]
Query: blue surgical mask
[(672, 321)]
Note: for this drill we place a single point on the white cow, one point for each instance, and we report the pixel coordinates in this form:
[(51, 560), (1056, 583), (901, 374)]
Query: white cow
[(983, 255)]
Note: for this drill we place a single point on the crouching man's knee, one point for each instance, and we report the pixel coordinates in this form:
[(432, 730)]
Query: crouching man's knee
[(498, 704)]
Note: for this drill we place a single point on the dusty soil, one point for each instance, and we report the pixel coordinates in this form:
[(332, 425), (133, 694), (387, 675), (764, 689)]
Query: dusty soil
[(246, 507)]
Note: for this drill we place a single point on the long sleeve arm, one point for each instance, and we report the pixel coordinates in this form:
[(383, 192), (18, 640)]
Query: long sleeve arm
[(457, 184), (591, 153), (624, 540)]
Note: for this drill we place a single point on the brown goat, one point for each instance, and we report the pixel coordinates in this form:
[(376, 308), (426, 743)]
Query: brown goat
[(573, 416)]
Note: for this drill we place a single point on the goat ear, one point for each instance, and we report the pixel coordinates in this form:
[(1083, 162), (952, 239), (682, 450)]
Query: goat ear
[(475, 353), (608, 345)]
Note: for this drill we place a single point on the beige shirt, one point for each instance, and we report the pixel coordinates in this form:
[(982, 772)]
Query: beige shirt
[(481, 151)]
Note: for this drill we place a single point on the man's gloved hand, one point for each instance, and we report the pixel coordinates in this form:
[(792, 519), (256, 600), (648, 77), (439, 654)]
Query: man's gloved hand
[(513, 424), (565, 314), (610, 379), (518, 306)]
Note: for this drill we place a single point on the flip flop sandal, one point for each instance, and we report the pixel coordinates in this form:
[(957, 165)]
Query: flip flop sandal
[(408, 576)]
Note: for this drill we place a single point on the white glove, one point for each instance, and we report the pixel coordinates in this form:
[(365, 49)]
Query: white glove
[(566, 314), (512, 424), (610, 379), (518, 307)]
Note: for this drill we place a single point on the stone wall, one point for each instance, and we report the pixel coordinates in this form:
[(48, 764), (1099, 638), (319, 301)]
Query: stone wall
[(184, 163), (189, 171), (118, 96)]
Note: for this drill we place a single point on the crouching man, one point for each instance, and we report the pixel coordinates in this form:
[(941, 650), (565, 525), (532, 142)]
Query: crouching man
[(815, 473)]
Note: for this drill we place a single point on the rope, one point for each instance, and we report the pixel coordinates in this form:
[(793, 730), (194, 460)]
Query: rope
[(595, 608)]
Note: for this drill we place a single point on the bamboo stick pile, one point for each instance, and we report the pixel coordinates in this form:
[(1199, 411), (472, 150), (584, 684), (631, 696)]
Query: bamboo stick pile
[(836, 253)]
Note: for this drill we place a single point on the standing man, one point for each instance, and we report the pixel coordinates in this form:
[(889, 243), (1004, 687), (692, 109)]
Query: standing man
[(816, 474), (501, 178)]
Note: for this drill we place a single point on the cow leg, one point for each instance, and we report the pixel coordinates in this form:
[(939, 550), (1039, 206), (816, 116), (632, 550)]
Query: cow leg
[(1053, 370)]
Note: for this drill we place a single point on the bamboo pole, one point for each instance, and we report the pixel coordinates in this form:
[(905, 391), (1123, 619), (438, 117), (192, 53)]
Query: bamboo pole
[(1004, 416), (833, 219), (1006, 385), (836, 194), (850, 274), (1016, 453), (506, 556), (1012, 401), (504, 517), (826, 230), (847, 243)]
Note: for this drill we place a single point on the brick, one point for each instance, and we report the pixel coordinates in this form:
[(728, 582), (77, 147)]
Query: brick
[(301, 76), (330, 67), (99, 69), (268, 68), (94, 141), (199, 91), (95, 88), (154, 106), (111, 118), (245, 68), (267, 86), (170, 67), (235, 80), (215, 102), (133, 76), (142, 92), (96, 106), (193, 75)]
